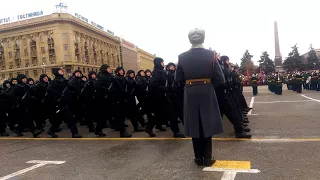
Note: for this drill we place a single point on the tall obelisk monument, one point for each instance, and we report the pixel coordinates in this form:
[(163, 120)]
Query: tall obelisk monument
[(278, 57)]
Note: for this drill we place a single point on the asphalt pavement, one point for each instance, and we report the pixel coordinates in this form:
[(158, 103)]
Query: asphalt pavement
[(284, 146)]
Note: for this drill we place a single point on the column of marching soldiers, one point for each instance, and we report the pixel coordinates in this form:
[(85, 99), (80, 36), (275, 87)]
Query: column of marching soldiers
[(295, 81), (150, 100)]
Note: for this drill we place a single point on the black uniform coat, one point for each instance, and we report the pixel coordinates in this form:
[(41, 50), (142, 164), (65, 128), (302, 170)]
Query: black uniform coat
[(200, 101)]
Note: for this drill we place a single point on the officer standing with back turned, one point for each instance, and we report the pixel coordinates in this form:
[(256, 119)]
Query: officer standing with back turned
[(198, 72)]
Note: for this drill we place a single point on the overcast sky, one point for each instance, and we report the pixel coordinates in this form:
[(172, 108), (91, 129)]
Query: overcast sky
[(161, 26)]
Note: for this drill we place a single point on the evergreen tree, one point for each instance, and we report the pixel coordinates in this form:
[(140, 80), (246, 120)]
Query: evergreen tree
[(266, 64), (246, 63), (312, 60), (294, 61)]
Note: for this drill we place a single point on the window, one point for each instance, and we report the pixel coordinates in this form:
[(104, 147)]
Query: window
[(10, 65), (10, 55), (9, 44), (10, 75), (88, 69), (25, 42), (26, 52), (44, 60), (17, 42), (18, 72), (64, 36), (35, 73), (65, 47), (26, 73), (41, 38), (79, 68), (3, 76), (66, 57), (84, 70), (43, 50), (27, 63)]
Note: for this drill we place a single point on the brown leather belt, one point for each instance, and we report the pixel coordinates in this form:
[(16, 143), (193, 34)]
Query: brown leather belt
[(198, 81)]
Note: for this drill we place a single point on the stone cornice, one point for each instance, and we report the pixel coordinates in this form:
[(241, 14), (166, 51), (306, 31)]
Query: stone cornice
[(54, 18), (145, 52)]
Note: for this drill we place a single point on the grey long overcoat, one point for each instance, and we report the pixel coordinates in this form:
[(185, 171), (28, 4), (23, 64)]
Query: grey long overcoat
[(200, 101)]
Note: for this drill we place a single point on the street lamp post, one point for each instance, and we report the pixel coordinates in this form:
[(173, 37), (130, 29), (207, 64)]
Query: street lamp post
[(43, 68)]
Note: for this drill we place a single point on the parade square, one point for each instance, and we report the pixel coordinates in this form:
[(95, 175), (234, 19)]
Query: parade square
[(284, 145)]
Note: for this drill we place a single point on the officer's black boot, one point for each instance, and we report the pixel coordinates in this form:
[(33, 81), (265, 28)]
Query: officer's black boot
[(208, 160), (197, 151), (150, 132), (74, 131)]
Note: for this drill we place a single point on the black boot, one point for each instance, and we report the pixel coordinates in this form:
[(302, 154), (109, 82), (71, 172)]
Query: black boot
[(101, 134), (197, 149), (179, 135), (125, 135), (52, 134), (76, 136), (160, 128), (243, 135), (150, 132), (246, 129), (36, 133), (138, 129), (19, 134), (4, 133)]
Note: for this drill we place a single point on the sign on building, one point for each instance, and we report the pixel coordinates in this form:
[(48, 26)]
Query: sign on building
[(128, 45), (61, 8), (20, 17)]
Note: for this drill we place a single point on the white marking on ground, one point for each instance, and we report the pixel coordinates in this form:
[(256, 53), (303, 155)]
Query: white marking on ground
[(38, 164), (270, 102), (251, 105), (310, 98), (230, 174), (252, 114)]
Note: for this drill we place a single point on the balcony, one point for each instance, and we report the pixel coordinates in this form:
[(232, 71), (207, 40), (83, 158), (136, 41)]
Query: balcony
[(51, 47), (33, 53), (16, 47), (33, 44), (17, 56), (51, 52), (50, 41), (77, 51)]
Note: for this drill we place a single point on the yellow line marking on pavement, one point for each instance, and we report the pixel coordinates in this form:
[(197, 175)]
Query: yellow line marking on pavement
[(232, 164), (162, 139)]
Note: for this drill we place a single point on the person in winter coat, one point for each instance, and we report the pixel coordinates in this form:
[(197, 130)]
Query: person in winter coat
[(58, 98), (90, 100), (120, 100), (132, 108), (162, 108), (75, 86), (38, 108), (197, 73), (104, 98), (21, 107)]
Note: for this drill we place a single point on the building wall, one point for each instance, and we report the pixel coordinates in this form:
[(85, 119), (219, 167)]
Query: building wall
[(145, 60), (74, 45), (129, 55), (130, 59)]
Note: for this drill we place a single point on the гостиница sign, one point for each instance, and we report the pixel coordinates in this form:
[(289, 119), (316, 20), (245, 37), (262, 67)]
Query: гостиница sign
[(21, 17), (92, 23)]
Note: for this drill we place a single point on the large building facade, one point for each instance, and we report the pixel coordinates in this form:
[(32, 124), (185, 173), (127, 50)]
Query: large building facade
[(129, 55), (145, 60), (35, 46)]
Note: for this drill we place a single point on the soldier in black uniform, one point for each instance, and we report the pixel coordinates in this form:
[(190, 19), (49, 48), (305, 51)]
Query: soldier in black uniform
[(197, 72), (254, 84), (58, 99), (90, 100), (21, 93)]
